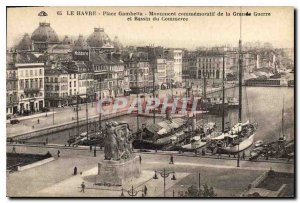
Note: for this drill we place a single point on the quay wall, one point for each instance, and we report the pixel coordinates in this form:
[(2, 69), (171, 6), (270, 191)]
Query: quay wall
[(38, 163), (64, 126)]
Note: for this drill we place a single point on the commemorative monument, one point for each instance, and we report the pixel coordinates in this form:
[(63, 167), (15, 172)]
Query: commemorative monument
[(119, 164)]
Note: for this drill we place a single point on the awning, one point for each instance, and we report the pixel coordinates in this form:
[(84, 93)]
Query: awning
[(83, 96), (127, 90)]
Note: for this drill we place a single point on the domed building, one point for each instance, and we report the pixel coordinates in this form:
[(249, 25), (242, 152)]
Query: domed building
[(25, 44), (99, 40), (43, 37), (81, 43), (67, 40)]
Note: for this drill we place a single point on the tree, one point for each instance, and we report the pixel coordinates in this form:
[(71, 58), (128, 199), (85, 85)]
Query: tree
[(193, 191)]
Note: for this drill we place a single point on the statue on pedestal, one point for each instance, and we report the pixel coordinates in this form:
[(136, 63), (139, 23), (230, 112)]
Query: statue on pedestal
[(118, 141), (119, 164)]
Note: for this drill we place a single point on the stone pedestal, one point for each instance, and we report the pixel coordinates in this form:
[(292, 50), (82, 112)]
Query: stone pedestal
[(116, 173)]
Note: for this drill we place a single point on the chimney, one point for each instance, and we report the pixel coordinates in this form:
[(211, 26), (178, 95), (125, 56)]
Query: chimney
[(14, 55)]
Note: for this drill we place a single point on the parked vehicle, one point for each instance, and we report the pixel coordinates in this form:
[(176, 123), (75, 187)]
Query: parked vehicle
[(26, 112)]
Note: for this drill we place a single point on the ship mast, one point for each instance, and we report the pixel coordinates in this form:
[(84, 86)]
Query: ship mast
[(240, 72), (240, 85), (223, 99), (282, 118)]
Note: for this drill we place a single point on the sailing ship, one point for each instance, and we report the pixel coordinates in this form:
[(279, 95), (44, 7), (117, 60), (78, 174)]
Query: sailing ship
[(241, 135)]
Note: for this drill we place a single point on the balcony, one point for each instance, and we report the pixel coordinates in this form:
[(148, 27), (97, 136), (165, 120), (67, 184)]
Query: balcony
[(31, 90)]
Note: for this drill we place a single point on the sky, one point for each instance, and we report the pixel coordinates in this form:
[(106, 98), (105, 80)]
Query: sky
[(278, 28)]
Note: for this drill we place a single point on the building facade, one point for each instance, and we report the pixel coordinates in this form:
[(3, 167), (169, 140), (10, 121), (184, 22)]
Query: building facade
[(170, 73), (11, 90), (56, 87), (30, 86), (177, 56), (138, 68)]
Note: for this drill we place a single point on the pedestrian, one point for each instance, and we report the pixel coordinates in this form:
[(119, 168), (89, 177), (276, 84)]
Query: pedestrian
[(91, 148), (47, 140), (171, 159), (14, 149), (145, 190), (38, 121), (58, 153), (95, 152), (243, 155), (140, 159), (82, 187), (33, 127), (75, 171)]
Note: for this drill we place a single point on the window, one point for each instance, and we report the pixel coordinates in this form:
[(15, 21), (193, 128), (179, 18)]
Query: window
[(31, 72), (74, 75), (70, 84), (41, 83), (21, 84), (41, 71), (36, 83), (26, 84), (74, 83), (26, 73)]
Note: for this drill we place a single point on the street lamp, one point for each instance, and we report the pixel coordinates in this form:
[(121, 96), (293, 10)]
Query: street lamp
[(53, 113), (132, 192), (238, 157), (172, 87), (164, 175)]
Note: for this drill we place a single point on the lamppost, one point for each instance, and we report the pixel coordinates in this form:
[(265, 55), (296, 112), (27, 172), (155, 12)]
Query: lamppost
[(164, 174), (132, 192), (238, 157), (137, 97), (53, 112), (172, 87)]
